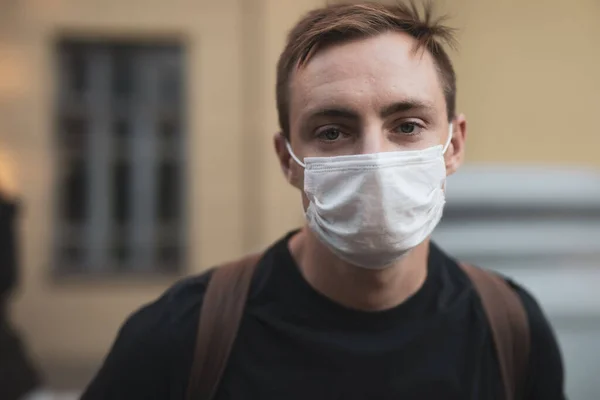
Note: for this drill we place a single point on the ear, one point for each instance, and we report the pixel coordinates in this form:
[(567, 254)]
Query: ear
[(455, 154), (283, 155)]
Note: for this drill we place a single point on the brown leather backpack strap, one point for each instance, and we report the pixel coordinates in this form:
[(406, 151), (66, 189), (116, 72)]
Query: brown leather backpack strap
[(509, 325), (220, 317)]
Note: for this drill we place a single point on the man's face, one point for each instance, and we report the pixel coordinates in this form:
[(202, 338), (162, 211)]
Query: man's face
[(366, 96)]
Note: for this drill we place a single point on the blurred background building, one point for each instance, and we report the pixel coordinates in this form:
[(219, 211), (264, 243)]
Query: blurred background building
[(137, 134)]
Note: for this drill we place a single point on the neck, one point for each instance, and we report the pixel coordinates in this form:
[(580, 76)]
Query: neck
[(355, 287)]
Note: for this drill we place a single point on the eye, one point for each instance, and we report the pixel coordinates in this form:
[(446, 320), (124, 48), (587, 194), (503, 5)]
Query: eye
[(329, 135), (409, 128)]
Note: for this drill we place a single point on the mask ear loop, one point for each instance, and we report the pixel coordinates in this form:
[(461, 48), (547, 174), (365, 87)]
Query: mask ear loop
[(289, 149), (450, 134)]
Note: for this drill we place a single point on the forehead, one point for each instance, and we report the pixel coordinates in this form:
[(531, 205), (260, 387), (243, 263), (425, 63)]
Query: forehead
[(366, 72)]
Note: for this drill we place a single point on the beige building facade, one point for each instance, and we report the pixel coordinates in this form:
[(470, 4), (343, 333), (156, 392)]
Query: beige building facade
[(527, 76)]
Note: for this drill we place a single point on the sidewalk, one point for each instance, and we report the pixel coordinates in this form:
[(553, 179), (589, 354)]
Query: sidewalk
[(52, 395)]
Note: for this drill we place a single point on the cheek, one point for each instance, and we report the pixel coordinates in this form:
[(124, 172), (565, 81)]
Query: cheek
[(449, 153), (305, 201), (297, 180), (296, 176)]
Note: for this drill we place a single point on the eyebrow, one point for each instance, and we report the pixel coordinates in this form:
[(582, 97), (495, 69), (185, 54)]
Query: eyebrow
[(406, 105), (335, 112), (348, 113)]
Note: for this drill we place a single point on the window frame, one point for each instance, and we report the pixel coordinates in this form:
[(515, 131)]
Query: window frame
[(163, 50)]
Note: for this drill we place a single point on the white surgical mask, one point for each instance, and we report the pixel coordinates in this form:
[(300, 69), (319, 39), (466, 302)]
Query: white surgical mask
[(371, 209)]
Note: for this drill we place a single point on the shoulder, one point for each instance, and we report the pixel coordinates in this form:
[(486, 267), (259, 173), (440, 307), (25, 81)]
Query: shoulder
[(545, 378), (185, 297), (546, 372), (177, 311), (179, 302), (170, 321), (172, 316), (539, 324), (543, 338), (152, 345), (8, 206)]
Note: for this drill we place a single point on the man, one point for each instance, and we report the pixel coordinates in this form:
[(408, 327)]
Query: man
[(358, 304), (17, 373)]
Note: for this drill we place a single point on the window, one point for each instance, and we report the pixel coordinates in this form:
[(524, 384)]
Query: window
[(120, 147)]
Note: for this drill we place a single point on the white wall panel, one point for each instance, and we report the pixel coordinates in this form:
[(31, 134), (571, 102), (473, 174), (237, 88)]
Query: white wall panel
[(541, 227)]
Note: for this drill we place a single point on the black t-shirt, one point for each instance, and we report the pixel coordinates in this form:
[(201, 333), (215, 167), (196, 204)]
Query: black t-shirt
[(295, 343)]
